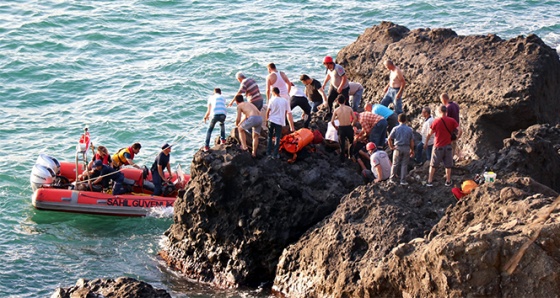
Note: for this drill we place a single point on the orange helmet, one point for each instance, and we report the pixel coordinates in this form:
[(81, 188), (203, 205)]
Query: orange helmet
[(371, 146), (327, 59)]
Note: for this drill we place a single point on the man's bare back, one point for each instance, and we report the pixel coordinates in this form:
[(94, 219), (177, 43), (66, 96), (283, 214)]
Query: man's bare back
[(344, 114), (248, 109)]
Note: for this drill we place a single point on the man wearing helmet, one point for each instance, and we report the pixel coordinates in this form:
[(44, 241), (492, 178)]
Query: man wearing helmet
[(339, 82), (380, 164)]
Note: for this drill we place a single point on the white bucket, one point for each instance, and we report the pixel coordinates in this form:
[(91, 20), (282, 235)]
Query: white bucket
[(489, 176)]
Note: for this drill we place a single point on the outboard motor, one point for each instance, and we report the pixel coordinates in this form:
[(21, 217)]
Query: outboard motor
[(41, 175), (49, 162)]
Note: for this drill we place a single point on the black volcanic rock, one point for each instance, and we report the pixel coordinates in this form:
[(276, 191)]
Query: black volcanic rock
[(501, 85), (239, 213), (119, 287)]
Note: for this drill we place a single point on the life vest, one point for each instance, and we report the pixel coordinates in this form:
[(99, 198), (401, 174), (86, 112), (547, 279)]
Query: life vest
[(119, 159), (105, 159)]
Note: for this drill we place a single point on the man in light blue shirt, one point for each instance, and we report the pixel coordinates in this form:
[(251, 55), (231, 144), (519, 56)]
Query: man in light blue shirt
[(216, 108), (401, 141), (386, 113)]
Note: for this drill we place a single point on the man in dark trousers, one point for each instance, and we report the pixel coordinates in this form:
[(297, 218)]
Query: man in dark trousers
[(107, 173), (161, 163)]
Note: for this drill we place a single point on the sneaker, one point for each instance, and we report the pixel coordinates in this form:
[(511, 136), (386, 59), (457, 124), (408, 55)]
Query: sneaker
[(404, 183), (448, 183), (206, 148), (223, 141), (429, 184)]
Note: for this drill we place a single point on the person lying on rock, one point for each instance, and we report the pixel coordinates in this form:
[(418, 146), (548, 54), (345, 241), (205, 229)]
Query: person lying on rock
[(253, 121)]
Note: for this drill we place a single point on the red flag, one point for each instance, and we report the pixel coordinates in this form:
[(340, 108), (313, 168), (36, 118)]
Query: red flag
[(85, 141)]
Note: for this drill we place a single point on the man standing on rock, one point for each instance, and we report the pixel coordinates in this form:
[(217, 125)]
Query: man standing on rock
[(401, 141), (216, 108), (278, 110), (253, 121), (279, 80), (345, 117), (160, 164), (420, 156), (251, 90), (442, 128), (393, 91), (339, 82), (313, 91), (453, 112)]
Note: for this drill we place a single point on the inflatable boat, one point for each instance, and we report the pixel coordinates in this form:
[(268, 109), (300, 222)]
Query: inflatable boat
[(55, 188)]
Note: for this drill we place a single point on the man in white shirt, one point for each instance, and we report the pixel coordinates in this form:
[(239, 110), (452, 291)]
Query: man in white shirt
[(276, 113), (298, 99), (279, 80), (420, 156)]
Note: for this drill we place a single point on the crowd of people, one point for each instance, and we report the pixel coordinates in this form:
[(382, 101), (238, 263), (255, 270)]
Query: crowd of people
[(362, 136)]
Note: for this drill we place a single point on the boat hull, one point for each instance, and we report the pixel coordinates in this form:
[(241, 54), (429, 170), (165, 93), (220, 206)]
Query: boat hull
[(90, 202)]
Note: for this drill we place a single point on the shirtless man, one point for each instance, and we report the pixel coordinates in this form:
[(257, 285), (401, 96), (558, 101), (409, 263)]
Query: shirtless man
[(277, 79), (345, 117), (393, 91), (252, 120)]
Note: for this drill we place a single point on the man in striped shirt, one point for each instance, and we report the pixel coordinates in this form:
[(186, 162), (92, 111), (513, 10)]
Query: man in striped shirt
[(251, 90), (216, 108)]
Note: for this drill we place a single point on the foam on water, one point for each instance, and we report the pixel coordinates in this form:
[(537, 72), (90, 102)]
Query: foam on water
[(141, 70)]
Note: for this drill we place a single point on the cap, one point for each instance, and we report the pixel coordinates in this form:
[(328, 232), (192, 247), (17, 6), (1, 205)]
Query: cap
[(328, 59), (371, 146), (98, 163), (165, 146)]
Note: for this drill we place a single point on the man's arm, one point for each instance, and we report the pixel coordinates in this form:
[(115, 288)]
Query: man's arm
[(169, 171), (459, 131), (334, 116), (390, 141), (238, 115), (268, 84), (400, 77), (342, 83), (290, 120), (379, 173), (428, 138), (412, 146), (325, 81), (160, 171), (207, 115), (131, 162), (287, 80)]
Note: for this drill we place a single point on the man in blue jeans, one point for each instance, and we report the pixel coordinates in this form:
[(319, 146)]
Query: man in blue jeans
[(216, 108), (394, 90), (276, 113), (160, 164)]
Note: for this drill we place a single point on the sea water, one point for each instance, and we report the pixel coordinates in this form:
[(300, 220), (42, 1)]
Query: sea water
[(140, 71)]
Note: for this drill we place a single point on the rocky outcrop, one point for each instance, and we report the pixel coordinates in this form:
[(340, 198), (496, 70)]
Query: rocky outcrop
[(500, 85), (501, 241), (239, 213), (338, 257), (119, 287), (386, 241), (534, 152)]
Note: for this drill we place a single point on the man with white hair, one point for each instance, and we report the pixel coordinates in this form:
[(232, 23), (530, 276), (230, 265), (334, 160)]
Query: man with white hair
[(251, 90)]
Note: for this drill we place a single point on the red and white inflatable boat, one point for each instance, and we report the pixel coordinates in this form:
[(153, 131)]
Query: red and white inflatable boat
[(54, 188)]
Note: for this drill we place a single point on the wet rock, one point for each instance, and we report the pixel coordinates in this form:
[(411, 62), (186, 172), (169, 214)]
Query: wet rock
[(501, 85), (119, 287), (239, 212)]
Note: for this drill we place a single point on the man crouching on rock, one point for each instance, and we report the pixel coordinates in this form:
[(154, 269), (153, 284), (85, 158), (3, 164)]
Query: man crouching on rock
[(253, 120)]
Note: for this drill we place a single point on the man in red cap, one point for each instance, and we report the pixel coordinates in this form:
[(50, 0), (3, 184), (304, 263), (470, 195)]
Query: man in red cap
[(379, 161), (339, 82)]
